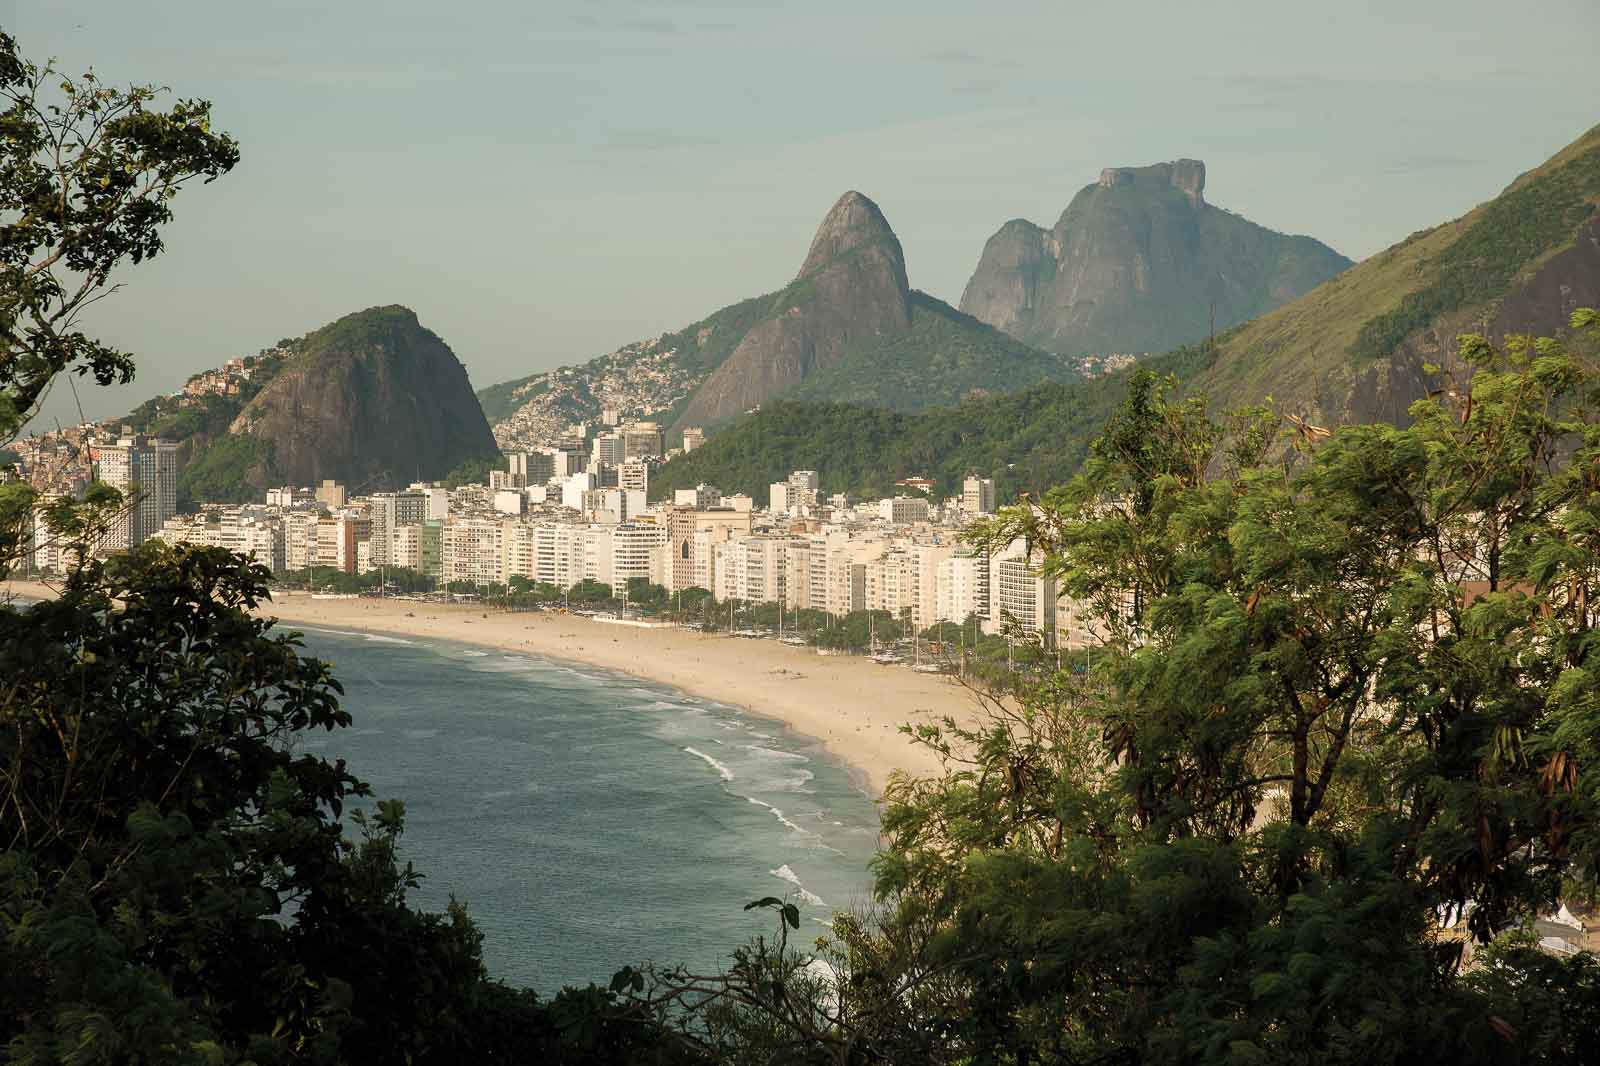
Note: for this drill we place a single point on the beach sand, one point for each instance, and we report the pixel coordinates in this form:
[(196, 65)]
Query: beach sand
[(851, 705)]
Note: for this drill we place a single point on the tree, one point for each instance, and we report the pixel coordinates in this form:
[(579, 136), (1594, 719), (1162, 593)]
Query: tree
[(645, 595), (176, 884), (1343, 728), (1337, 751), (87, 175), (589, 592)]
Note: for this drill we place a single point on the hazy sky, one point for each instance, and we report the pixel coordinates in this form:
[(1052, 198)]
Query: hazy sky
[(543, 182)]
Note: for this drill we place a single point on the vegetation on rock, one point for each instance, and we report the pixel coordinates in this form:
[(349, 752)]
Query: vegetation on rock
[(1027, 440)]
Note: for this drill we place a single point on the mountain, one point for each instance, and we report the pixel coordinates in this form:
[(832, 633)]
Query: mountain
[(1026, 440), (851, 287), (1137, 263), (1354, 349), (848, 327), (374, 400), (1357, 348)]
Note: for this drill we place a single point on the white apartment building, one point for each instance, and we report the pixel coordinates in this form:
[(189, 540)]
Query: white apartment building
[(795, 495), (520, 547), (299, 540), (388, 512), (830, 573), (928, 558), (250, 531), (613, 554), (575, 485), (558, 554), (891, 582), (963, 588), (473, 550)]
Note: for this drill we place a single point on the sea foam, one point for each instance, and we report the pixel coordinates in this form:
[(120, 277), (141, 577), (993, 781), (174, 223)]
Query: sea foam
[(776, 813), (785, 873), (727, 774)]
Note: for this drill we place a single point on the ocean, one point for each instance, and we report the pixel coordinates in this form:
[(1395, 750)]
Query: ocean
[(589, 820)]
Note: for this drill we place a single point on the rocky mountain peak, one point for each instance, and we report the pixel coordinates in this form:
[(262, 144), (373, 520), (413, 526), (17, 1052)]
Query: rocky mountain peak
[(374, 399), (851, 288), (1137, 263), (853, 222), (1188, 176)]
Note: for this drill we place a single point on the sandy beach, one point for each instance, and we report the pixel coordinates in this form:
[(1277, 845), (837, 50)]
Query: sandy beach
[(851, 705)]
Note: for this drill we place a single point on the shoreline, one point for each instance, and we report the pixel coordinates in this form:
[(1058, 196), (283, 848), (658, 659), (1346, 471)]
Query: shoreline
[(851, 707)]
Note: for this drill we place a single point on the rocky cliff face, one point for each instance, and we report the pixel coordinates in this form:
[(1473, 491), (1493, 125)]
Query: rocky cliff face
[(852, 286), (1137, 263), (373, 400)]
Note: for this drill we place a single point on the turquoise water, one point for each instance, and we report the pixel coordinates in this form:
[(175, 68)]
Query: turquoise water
[(587, 819)]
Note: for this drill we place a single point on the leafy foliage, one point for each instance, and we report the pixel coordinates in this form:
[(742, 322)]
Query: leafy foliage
[(473, 471), (227, 471), (176, 885), (1027, 440), (939, 361), (87, 175), (1341, 725)]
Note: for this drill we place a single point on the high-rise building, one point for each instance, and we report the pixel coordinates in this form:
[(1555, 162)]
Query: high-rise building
[(473, 550), (608, 449), (693, 437), (977, 495), (145, 471), (634, 475), (1020, 596), (778, 497), (540, 466), (389, 511)]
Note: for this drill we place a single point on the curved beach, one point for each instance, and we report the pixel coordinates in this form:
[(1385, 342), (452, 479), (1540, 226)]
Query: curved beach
[(850, 704)]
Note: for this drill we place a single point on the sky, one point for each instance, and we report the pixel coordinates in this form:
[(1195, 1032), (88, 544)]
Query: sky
[(543, 182)]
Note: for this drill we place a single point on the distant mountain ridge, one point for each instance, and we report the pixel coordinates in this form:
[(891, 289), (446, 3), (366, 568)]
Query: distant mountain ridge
[(848, 327), (1355, 349), (1139, 262)]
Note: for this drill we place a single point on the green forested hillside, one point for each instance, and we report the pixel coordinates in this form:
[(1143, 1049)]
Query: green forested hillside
[(1355, 348), (1026, 440), (943, 357)]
